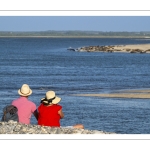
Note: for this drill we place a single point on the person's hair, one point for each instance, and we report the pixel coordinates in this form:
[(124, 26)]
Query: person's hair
[(46, 101)]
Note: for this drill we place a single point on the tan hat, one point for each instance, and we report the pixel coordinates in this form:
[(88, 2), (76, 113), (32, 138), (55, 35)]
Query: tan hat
[(50, 98), (25, 90)]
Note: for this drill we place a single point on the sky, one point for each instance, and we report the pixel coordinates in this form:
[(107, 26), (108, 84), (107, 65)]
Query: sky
[(94, 15), (82, 23)]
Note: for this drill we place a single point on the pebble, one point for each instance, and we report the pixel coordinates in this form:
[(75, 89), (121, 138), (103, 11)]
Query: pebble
[(13, 127)]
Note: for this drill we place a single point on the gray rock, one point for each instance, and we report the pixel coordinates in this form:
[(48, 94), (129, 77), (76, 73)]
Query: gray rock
[(13, 127)]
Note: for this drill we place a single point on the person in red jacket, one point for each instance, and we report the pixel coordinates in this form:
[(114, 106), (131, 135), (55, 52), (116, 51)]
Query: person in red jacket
[(50, 112)]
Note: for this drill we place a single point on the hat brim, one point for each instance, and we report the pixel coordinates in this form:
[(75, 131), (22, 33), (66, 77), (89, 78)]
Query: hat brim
[(55, 101), (19, 92)]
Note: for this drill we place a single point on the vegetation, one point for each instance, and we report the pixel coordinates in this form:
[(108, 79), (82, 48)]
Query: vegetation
[(52, 33)]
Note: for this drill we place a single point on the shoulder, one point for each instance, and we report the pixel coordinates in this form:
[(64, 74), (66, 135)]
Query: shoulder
[(31, 103), (15, 101), (58, 106), (41, 105)]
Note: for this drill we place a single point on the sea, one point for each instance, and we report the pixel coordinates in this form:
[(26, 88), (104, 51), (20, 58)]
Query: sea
[(46, 64)]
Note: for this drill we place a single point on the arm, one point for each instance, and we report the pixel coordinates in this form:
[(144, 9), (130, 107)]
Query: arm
[(35, 113), (61, 113)]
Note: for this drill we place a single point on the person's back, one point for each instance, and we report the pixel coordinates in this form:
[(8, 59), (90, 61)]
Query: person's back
[(25, 107), (50, 113)]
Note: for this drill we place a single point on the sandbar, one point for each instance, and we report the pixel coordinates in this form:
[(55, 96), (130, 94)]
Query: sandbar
[(141, 94), (134, 48), (143, 47)]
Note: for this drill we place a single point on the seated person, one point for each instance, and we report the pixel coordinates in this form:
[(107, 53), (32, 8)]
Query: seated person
[(50, 113)]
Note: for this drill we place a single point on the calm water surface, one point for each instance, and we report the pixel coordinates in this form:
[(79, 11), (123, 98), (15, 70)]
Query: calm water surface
[(46, 64)]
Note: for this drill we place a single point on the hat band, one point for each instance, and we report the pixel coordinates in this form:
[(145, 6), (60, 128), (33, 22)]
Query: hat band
[(23, 93), (51, 99), (48, 100)]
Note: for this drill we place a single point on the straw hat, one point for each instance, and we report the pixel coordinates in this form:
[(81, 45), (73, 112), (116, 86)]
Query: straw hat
[(50, 98), (25, 90)]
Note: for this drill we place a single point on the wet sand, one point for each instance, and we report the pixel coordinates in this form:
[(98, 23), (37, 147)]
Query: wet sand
[(144, 94)]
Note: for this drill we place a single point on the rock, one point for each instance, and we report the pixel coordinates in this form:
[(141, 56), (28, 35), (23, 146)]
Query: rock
[(13, 127)]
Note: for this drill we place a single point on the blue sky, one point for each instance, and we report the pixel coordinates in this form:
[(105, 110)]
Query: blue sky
[(83, 23)]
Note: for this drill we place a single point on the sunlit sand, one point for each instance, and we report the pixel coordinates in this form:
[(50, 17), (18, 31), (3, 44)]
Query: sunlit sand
[(123, 48)]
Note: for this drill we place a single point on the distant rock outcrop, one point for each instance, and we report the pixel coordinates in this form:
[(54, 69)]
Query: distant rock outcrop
[(145, 48)]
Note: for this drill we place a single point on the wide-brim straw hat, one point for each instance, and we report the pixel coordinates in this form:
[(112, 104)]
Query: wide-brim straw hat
[(25, 90), (51, 96)]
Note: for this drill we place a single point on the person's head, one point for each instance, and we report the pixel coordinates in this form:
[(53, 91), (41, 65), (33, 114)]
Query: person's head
[(25, 90), (50, 98)]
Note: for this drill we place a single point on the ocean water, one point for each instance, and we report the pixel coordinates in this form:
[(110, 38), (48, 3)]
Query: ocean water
[(46, 64)]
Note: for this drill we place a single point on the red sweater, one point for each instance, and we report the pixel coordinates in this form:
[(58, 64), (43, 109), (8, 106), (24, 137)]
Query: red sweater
[(48, 115)]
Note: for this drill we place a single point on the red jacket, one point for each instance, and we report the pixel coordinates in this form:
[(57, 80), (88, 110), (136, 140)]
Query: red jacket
[(48, 115)]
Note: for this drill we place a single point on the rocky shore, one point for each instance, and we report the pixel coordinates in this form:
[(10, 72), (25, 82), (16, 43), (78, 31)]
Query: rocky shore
[(138, 48), (13, 127)]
